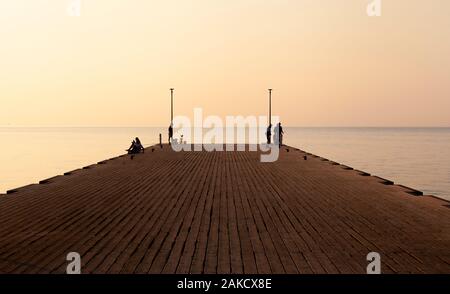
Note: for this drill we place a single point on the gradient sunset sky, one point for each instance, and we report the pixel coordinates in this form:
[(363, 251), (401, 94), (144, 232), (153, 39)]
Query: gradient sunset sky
[(329, 63)]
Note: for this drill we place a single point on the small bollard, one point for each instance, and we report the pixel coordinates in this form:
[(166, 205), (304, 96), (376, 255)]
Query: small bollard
[(305, 157), (160, 141)]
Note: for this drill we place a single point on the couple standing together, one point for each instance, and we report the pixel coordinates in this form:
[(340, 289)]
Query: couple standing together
[(277, 134)]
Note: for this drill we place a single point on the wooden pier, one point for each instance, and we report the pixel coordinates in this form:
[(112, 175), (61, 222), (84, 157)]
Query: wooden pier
[(222, 212)]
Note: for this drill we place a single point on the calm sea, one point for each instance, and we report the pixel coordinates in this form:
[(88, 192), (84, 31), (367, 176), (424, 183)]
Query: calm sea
[(416, 157)]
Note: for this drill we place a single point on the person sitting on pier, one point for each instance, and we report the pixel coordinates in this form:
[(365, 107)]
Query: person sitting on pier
[(139, 146), (136, 147), (131, 148)]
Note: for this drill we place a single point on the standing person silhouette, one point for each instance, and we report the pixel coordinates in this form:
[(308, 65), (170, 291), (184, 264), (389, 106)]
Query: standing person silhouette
[(276, 135), (269, 133), (281, 132), (170, 134)]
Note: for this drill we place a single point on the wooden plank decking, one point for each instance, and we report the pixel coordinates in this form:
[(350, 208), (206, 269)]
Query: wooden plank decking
[(221, 212)]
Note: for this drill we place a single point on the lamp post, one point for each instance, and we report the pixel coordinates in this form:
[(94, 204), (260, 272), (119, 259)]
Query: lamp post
[(270, 106), (171, 105), (171, 116)]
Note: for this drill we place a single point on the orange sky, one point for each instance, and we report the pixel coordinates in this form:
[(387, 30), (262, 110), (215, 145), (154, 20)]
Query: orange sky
[(329, 63)]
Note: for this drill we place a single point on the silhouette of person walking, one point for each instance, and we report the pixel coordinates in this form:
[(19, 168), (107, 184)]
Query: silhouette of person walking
[(269, 133)]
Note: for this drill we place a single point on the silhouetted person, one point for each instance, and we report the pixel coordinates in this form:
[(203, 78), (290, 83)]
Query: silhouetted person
[(170, 133), (131, 148), (136, 147), (139, 146), (278, 135), (269, 133), (281, 132)]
